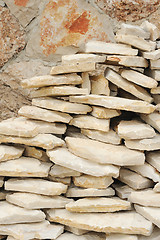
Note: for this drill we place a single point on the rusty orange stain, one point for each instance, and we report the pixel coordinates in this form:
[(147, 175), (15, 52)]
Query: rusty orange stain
[(21, 3), (80, 25)]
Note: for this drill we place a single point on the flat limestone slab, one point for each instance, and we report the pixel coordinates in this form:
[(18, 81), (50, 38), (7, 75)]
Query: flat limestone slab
[(39, 186), (135, 129), (154, 235), (150, 213), (136, 42), (1, 181), (157, 187), (104, 153), (87, 181), (100, 85), (35, 201), (46, 141), (153, 158), (71, 236), (147, 198), (63, 172), (123, 191), (152, 28), (139, 78), (121, 237), (36, 153), (134, 30), (58, 91), (83, 121), (130, 87), (134, 180), (81, 57), (155, 90), (154, 55), (109, 48), (147, 171), (10, 152), (154, 64), (75, 231), (25, 167), (86, 83), (115, 103), (152, 119), (73, 68), (98, 204), (60, 105), (101, 112), (64, 158), (149, 144), (155, 74), (66, 180), (47, 80), (106, 137), (11, 214), (89, 192), (103, 222)]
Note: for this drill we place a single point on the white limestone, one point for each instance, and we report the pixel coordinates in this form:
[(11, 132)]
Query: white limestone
[(63, 172), (123, 191), (75, 231), (152, 119), (134, 30), (70, 236), (154, 235), (157, 187), (78, 58), (1, 181), (66, 180), (100, 85), (155, 90), (154, 55), (155, 74), (150, 27), (153, 158), (86, 83), (101, 112), (10, 152), (121, 237), (155, 64)]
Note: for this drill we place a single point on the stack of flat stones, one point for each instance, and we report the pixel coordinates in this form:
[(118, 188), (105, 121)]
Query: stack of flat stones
[(83, 161)]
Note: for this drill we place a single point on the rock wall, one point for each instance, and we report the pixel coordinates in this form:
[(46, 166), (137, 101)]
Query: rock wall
[(34, 34)]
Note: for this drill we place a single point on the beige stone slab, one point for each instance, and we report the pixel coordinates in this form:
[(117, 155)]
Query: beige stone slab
[(147, 171), (134, 30), (113, 89), (71, 236), (35, 201), (66, 180), (155, 64), (148, 144), (62, 172), (46, 141), (75, 231), (39, 186), (137, 42), (1, 181), (81, 57), (134, 180), (58, 91), (155, 74), (76, 134), (147, 198), (103, 222), (109, 48), (154, 55), (83, 121), (64, 158), (47, 80), (123, 191), (100, 85), (135, 129), (10, 152), (154, 235), (36, 153), (150, 213), (86, 83), (139, 78), (152, 119), (121, 237), (101, 112), (60, 105), (25, 167), (155, 90), (106, 137), (38, 113), (115, 103), (3, 195), (128, 61), (98, 204), (128, 86), (152, 28), (104, 153), (157, 187), (87, 181), (153, 158), (89, 192), (11, 214), (73, 67)]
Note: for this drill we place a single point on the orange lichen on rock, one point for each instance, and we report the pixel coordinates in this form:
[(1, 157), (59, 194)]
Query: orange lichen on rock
[(21, 3)]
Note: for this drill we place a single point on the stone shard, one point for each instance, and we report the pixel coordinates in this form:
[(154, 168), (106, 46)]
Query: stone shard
[(63, 172), (155, 74), (98, 204), (24, 167), (101, 112), (58, 91), (134, 180), (153, 158), (89, 192), (103, 222), (10, 152), (121, 237), (89, 236), (135, 129), (100, 85), (46, 141), (152, 119), (65, 158), (128, 29), (150, 27), (90, 122), (39, 186), (123, 191), (87, 181), (137, 42), (115, 103), (139, 78), (106, 137), (73, 68), (127, 86), (66, 180), (75, 231), (104, 153), (35, 201), (157, 187), (154, 235), (60, 105), (154, 55), (150, 213), (155, 90), (86, 81), (109, 48), (11, 214), (154, 64), (38, 113), (81, 58), (146, 197), (47, 80), (1, 181), (148, 144)]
